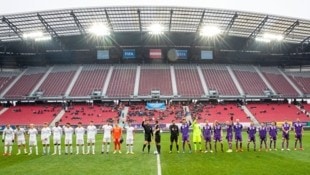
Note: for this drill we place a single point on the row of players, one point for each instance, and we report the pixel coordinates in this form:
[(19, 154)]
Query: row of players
[(216, 132), (206, 133), (10, 135)]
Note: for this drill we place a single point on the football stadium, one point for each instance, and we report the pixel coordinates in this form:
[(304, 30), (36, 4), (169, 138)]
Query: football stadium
[(158, 89)]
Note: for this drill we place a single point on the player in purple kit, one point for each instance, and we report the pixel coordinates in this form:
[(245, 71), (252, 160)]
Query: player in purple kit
[(286, 127), (251, 136), (273, 131), (185, 134), (207, 134), (298, 128), (263, 136), (238, 135), (229, 135), (217, 130)]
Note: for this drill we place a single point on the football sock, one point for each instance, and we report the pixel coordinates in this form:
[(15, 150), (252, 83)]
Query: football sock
[(5, 149), (177, 147), (170, 147), (144, 145), (148, 148)]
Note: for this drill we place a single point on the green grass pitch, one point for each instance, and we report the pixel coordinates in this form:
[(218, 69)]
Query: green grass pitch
[(274, 162)]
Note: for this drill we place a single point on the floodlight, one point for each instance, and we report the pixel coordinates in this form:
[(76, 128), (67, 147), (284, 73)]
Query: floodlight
[(44, 38), (273, 36), (32, 35), (262, 39), (99, 29), (156, 29), (210, 31)]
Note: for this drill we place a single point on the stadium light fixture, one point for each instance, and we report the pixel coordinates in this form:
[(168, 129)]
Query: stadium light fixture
[(262, 39), (99, 29), (33, 35), (156, 29), (210, 31), (273, 37), (43, 38)]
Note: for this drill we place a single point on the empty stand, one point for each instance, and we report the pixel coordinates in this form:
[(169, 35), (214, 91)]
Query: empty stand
[(218, 78), (98, 113), (249, 79), (6, 78), (91, 78), (26, 83), (30, 113), (58, 81), (155, 77), (137, 112), (276, 112), (188, 82), (219, 112), (301, 80), (122, 81), (278, 82)]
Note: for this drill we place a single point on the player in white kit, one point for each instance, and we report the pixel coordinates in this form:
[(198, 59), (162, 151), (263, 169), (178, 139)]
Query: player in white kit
[(8, 139), (57, 132), (91, 137), (107, 130), (68, 130), (20, 139), (33, 132), (79, 132), (129, 138), (45, 138)]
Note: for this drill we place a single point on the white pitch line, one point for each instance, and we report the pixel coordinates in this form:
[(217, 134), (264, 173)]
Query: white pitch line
[(158, 165)]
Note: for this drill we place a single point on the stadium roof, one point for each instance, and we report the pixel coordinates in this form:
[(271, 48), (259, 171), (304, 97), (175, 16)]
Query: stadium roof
[(72, 22)]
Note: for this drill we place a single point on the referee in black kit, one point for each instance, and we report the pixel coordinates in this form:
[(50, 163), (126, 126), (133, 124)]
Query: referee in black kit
[(157, 136), (148, 133), (174, 134)]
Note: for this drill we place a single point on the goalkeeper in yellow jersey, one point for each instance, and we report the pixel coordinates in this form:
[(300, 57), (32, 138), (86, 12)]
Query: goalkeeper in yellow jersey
[(196, 135)]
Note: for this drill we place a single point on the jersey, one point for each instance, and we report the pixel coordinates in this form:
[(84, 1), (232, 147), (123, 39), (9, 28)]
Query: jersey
[(20, 134), (262, 132), (207, 131), (79, 132), (174, 130), (298, 129), (68, 133), (33, 136), (185, 129), (238, 129), (217, 131), (273, 131), (57, 132), (8, 134), (107, 129), (91, 131), (251, 131), (196, 129), (117, 132), (148, 130), (229, 129), (45, 133), (129, 132), (286, 128)]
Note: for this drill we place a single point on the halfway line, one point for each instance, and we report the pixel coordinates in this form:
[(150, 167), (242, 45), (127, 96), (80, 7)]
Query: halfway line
[(158, 165)]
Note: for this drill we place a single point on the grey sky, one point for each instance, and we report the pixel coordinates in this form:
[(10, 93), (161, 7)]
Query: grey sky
[(287, 8)]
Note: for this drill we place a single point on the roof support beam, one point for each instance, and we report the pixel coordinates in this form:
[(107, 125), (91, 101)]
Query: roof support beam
[(78, 24), (50, 30), (201, 21), (139, 17), (258, 28), (170, 19), (13, 27), (303, 44), (108, 19), (231, 23), (290, 29)]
